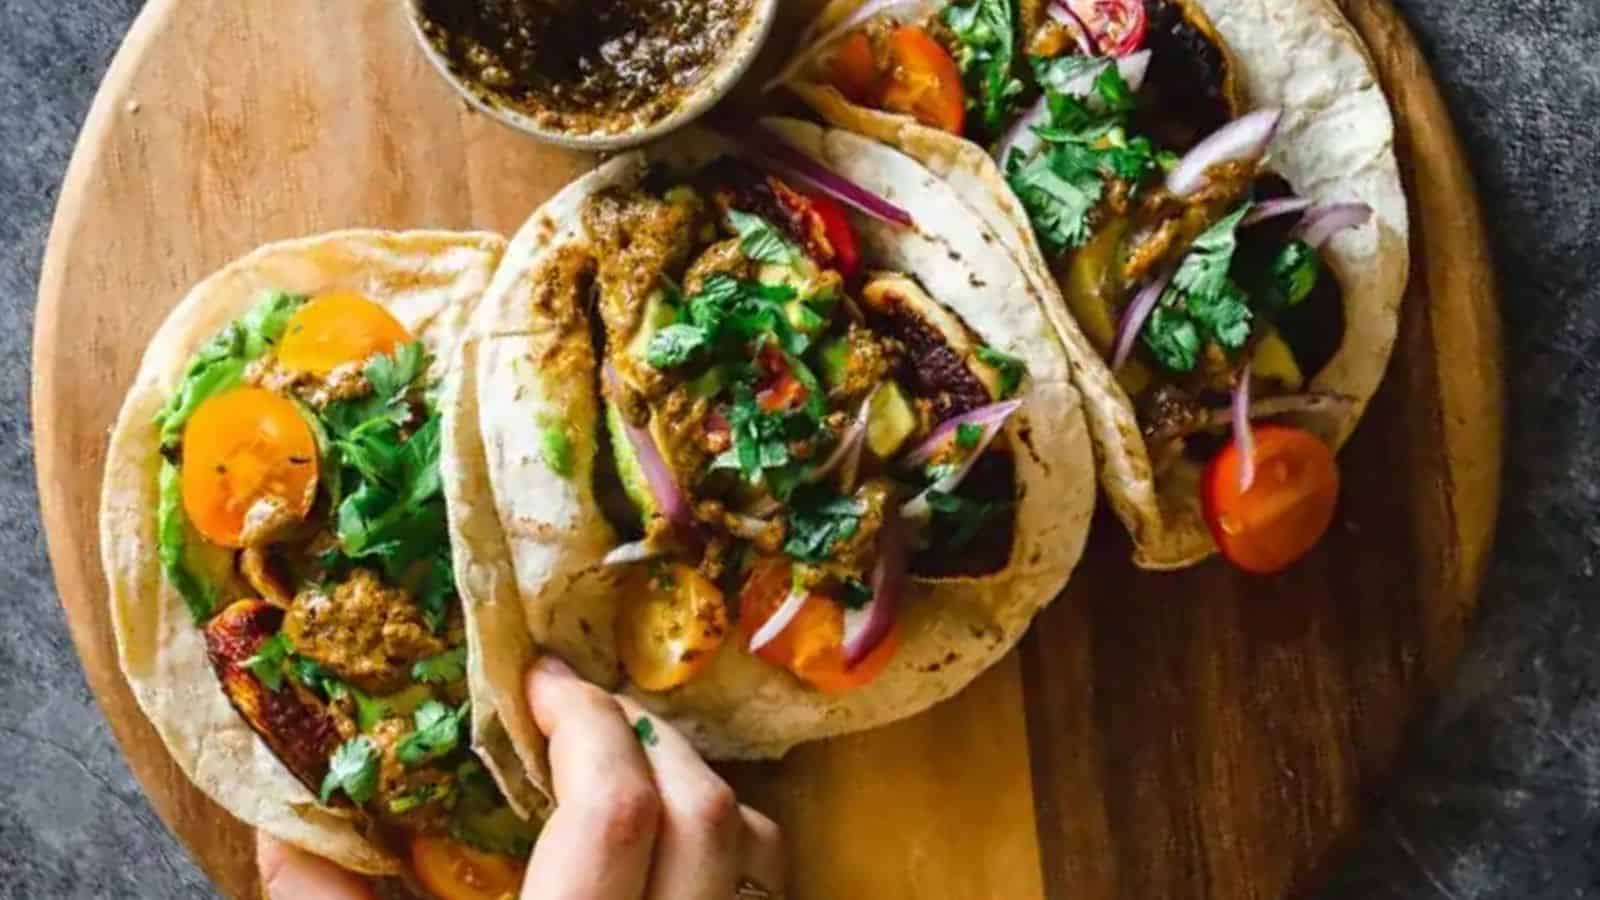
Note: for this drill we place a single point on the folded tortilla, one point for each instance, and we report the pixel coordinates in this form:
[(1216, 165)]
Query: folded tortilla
[(529, 542), (1335, 144), (430, 282)]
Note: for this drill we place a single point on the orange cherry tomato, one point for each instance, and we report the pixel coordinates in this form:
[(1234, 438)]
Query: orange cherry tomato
[(840, 233), (451, 870), (812, 647), (853, 69), (1288, 507), (670, 626), (924, 81), (338, 328), (240, 448)]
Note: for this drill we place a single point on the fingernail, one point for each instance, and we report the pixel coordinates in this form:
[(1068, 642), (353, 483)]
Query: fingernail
[(552, 666)]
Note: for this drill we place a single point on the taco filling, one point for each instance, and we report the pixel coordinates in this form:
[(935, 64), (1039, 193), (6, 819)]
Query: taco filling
[(1184, 260), (794, 433), (302, 520)]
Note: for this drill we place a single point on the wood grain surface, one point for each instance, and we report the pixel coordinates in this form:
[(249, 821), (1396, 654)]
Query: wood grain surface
[(1158, 737)]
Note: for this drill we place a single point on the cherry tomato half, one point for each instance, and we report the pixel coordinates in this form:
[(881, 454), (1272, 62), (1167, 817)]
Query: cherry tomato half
[(840, 233), (240, 448), (338, 328), (670, 625), (853, 69), (812, 646), (1288, 507), (924, 81), (451, 870)]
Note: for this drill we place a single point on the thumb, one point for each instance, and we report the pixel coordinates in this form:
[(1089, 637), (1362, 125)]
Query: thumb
[(289, 873)]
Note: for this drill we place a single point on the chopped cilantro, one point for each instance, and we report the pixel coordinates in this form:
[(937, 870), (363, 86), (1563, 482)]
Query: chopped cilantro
[(958, 518), (1173, 338), (645, 730), (445, 668), (986, 31), (438, 732), (1295, 271), (1203, 304), (676, 344), (1204, 270), (760, 241), (268, 662), (968, 435), (818, 521), (1059, 192), (353, 768), (1012, 369)]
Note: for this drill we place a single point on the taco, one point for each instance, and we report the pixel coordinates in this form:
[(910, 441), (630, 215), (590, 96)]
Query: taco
[(273, 531), (778, 470), (1207, 193)]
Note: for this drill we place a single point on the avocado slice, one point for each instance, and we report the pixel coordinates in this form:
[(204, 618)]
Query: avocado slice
[(658, 314), (834, 357), (891, 420), (629, 471)]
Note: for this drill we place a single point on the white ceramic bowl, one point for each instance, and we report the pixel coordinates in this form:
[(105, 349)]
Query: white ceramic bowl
[(730, 66)]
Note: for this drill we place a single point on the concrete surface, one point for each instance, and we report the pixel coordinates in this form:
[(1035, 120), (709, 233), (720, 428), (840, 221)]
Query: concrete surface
[(1502, 799)]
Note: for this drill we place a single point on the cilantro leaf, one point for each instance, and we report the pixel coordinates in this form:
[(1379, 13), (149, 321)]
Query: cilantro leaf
[(986, 30), (1059, 189), (760, 241), (268, 662), (1295, 272), (438, 732), (1224, 317), (819, 519), (958, 519), (675, 345), (1173, 338), (447, 667), (760, 441), (1012, 369), (968, 435), (353, 768), (645, 731), (1204, 271)]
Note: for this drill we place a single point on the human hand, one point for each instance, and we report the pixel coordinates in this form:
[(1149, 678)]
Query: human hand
[(640, 815)]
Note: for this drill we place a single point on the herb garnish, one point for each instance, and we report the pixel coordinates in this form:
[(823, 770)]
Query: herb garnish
[(986, 31), (819, 520), (438, 732), (353, 768), (1012, 369), (268, 662), (1203, 304), (445, 668)]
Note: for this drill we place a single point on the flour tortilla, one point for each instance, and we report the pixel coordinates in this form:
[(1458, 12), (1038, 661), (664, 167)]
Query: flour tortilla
[(1336, 144), (536, 539), (430, 282)]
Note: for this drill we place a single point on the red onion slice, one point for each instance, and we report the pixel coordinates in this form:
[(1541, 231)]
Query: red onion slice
[(781, 618), (865, 628), (917, 508), (1272, 209), (811, 44), (1242, 433), (670, 501), (793, 164), (1137, 313), (1323, 222), (1059, 11), (995, 414), (849, 445), (1244, 139)]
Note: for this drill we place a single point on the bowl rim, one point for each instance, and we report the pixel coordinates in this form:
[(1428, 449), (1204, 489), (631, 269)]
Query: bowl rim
[(729, 68)]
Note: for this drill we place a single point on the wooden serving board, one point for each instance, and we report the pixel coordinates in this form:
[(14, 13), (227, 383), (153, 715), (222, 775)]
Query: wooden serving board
[(1158, 737)]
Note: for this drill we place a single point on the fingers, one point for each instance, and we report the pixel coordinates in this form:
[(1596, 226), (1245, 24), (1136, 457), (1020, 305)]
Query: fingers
[(761, 853), (698, 848), (598, 844), (288, 873)]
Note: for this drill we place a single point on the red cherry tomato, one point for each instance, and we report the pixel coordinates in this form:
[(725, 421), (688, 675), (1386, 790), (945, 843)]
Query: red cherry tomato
[(841, 235), (924, 81), (853, 69), (780, 390), (1288, 507)]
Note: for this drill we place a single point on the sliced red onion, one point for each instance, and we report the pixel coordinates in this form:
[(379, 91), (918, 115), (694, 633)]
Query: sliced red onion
[(1137, 313), (865, 628), (785, 613), (1271, 209), (796, 165), (993, 415), (1021, 137), (1244, 139), (917, 508), (1059, 11), (636, 551), (849, 445), (811, 44), (1242, 433), (670, 501), (1323, 222)]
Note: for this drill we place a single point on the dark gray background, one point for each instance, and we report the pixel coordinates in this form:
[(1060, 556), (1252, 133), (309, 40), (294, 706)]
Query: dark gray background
[(1501, 800)]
